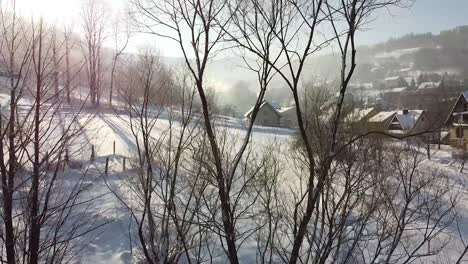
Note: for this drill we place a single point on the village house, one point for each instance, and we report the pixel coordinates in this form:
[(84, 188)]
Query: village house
[(457, 121), (391, 98), (359, 118), (395, 81), (288, 116), (381, 121), (267, 115), (424, 97), (429, 85), (406, 122)]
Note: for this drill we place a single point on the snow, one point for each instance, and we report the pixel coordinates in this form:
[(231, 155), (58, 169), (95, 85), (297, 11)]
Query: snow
[(247, 114), (286, 109), (429, 85), (382, 116), (459, 125), (394, 90), (460, 113), (398, 132), (392, 78), (111, 244), (408, 120), (397, 53), (444, 134), (358, 114)]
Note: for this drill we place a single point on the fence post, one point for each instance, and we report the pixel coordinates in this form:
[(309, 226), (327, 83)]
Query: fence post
[(114, 148), (92, 153), (107, 165), (123, 164), (67, 158)]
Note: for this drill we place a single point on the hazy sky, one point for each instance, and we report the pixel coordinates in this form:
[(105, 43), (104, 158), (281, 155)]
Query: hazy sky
[(424, 16)]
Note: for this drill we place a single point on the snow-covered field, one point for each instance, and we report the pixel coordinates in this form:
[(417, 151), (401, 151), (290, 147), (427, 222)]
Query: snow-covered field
[(111, 243)]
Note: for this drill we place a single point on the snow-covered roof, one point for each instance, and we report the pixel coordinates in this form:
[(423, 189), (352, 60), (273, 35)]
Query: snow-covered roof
[(396, 132), (286, 109), (460, 125), (395, 90), (460, 113), (275, 104), (408, 120), (444, 134), (465, 94), (429, 85), (265, 103), (377, 68), (396, 53), (392, 78), (357, 85), (382, 116), (358, 114)]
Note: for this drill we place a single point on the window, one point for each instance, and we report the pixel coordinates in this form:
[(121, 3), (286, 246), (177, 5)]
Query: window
[(460, 132)]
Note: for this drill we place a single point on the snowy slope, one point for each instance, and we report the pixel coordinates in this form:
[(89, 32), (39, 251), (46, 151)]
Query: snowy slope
[(111, 244)]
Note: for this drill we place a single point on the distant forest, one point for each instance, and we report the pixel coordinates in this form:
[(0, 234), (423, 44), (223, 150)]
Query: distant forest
[(449, 49), (418, 52)]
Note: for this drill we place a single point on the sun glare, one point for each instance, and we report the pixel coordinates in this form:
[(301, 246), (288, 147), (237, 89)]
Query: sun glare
[(51, 10)]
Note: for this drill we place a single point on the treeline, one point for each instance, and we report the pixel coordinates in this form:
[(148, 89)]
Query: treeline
[(446, 50), (449, 39), (449, 49)]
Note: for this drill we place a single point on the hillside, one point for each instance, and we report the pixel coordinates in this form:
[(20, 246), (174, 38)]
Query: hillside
[(446, 51), (406, 56)]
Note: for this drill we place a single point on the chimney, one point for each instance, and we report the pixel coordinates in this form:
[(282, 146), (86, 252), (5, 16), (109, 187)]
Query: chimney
[(405, 111)]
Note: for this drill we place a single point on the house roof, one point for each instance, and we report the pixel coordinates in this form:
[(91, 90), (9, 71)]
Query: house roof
[(465, 96), (444, 134), (429, 85), (286, 109), (408, 121), (264, 104), (395, 90), (392, 78), (359, 113), (382, 116)]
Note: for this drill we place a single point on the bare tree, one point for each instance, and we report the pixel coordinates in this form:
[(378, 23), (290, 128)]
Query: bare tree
[(16, 54), (68, 47), (165, 190), (94, 26), (196, 26), (42, 218), (121, 37)]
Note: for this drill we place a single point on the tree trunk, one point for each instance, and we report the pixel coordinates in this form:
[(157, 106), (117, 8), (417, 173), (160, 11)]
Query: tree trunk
[(67, 61), (114, 64), (8, 177), (34, 232), (228, 223)]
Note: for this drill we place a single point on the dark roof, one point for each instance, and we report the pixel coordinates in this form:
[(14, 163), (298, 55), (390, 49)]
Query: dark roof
[(465, 96), (265, 103)]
